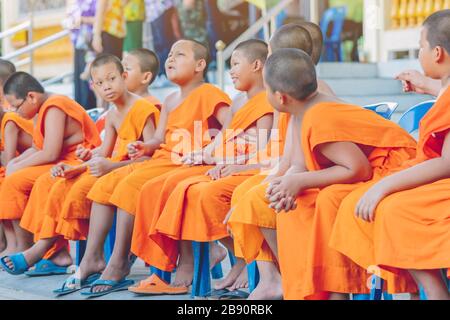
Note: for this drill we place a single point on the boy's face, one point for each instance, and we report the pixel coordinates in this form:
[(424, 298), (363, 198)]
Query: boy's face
[(136, 79), (274, 98), (27, 108), (429, 57), (108, 82), (241, 71), (181, 65)]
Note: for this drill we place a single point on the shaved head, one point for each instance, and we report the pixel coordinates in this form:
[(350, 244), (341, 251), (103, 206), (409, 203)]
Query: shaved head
[(148, 61), (438, 29), (292, 36), (201, 51), (317, 40), (254, 50), (291, 71), (105, 59)]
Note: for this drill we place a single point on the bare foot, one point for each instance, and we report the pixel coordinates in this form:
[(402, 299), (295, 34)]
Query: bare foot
[(2, 245), (62, 258), (8, 251), (268, 289), (232, 277), (241, 282), (184, 275), (217, 254), (115, 271), (89, 267)]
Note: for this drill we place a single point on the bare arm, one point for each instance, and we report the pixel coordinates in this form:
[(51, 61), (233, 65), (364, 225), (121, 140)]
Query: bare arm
[(102, 6), (350, 165), (263, 126), (55, 121), (11, 142), (152, 142), (424, 173), (414, 81)]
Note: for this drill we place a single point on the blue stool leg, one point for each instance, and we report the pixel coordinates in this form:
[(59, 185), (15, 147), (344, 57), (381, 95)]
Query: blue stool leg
[(201, 284), (164, 275), (376, 292), (253, 276), (110, 240), (423, 295), (80, 250), (232, 259), (377, 288), (217, 272)]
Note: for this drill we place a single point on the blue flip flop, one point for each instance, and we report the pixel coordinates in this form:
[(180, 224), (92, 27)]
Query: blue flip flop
[(236, 294), (73, 284), (115, 286), (20, 265), (46, 268)]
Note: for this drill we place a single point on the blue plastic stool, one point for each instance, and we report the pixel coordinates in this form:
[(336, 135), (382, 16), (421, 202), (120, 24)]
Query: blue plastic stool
[(253, 276), (164, 275), (384, 109), (333, 42), (410, 120), (201, 284)]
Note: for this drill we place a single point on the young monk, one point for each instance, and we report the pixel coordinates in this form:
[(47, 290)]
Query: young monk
[(401, 222), (289, 36), (307, 37), (330, 153), (131, 119), (16, 137), (292, 36), (190, 196), (142, 67), (69, 126), (188, 113)]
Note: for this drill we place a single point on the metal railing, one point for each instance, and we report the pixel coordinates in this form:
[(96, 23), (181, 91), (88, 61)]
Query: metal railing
[(27, 25), (224, 52), (31, 46)]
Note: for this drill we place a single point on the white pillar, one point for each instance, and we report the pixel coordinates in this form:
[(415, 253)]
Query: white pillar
[(372, 27), (314, 7)]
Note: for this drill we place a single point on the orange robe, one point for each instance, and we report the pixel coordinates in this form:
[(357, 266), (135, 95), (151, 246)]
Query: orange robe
[(187, 128), (412, 227), (166, 216), (67, 200), (16, 188), (306, 272), (23, 124)]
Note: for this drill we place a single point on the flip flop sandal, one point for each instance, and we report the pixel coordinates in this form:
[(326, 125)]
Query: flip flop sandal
[(156, 286), (73, 284), (235, 295), (216, 294), (115, 286)]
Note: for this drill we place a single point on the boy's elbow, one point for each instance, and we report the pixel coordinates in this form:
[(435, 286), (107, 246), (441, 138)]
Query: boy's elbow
[(362, 174)]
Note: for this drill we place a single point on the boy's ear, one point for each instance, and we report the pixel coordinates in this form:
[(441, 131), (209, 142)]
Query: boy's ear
[(125, 75), (147, 77), (201, 65), (281, 97), (33, 97), (257, 65), (439, 53)]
